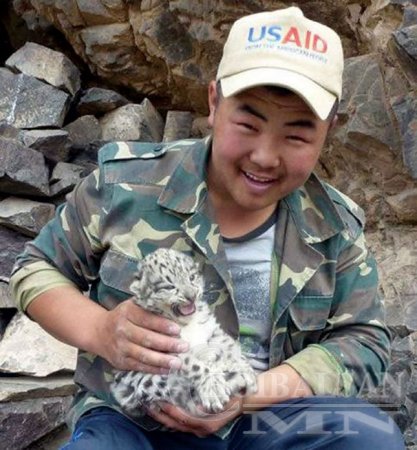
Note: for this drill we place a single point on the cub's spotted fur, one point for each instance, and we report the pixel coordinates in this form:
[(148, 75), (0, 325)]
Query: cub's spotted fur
[(170, 283)]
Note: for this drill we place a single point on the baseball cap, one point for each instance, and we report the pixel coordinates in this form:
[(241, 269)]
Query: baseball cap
[(284, 48)]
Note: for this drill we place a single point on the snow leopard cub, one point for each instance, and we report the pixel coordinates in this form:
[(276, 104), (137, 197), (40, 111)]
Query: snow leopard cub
[(213, 370)]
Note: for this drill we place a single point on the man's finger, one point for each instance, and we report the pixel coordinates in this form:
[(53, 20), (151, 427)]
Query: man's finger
[(140, 357), (151, 340), (168, 421), (150, 321)]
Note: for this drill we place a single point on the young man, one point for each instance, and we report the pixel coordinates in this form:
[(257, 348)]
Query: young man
[(285, 263)]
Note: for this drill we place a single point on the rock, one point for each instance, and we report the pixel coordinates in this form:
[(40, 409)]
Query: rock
[(369, 126), (11, 244), (21, 388), (22, 170), (395, 250), (404, 109), (84, 130), (403, 46), (64, 177), (53, 144), (109, 46), (406, 38), (410, 14), (26, 216), (404, 205), (9, 132), (165, 48), (97, 13), (177, 125), (27, 421), (411, 318), (6, 301), (48, 65), (133, 122), (26, 102), (98, 101), (87, 156), (44, 356), (170, 38), (395, 319), (200, 127)]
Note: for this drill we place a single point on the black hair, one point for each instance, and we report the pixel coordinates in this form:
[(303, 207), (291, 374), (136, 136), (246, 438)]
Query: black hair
[(282, 91)]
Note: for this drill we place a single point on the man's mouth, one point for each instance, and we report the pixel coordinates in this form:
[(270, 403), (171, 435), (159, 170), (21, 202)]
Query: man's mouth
[(259, 179)]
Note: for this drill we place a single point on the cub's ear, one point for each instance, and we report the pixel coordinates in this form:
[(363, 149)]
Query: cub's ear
[(199, 265)]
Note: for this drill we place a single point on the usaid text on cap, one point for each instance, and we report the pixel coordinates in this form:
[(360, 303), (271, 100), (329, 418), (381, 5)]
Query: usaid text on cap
[(302, 39)]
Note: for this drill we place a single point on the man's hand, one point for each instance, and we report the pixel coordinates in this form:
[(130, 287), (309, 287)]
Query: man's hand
[(179, 420), (128, 337), (274, 387), (135, 339)]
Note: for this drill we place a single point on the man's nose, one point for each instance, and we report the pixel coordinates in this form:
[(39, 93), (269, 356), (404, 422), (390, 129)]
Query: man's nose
[(266, 155)]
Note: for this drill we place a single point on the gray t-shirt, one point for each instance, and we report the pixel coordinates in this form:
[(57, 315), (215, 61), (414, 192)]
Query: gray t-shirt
[(249, 260)]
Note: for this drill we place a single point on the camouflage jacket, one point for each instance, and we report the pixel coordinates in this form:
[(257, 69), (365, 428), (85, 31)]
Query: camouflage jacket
[(328, 321)]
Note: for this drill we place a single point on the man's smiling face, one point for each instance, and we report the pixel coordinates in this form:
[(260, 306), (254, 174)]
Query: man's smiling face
[(265, 145)]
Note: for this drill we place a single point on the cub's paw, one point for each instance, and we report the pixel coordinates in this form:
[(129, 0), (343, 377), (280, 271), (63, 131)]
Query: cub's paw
[(213, 392), (241, 380)]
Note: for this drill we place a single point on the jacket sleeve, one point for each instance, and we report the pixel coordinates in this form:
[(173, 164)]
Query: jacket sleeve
[(353, 349), (68, 249)]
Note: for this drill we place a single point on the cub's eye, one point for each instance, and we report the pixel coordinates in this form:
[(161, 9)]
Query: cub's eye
[(165, 287), (193, 277)]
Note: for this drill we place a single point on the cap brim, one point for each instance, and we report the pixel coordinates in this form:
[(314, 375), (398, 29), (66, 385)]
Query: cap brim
[(317, 98)]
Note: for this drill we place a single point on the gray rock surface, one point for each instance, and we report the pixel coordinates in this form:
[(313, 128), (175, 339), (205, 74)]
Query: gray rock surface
[(11, 244), (133, 122), (22, 170), (6, 301), (53, 144), (26, 216), (404, 108), (14, 388), (64, 177), (46, 64), (84, 130), (98, 101), (24, 422), (26, 102), (178, 125), (44, 356)]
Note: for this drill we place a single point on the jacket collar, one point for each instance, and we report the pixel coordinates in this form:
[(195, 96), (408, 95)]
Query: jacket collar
[(186, 188), (314, 212)]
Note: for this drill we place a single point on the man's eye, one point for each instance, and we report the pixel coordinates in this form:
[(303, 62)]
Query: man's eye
[(248, 126), (296, 138)]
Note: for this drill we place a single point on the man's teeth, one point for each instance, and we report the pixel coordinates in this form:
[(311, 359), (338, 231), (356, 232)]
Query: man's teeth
[(258, 179)]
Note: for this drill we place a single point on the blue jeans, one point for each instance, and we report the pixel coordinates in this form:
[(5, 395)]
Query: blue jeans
[(335, 423)]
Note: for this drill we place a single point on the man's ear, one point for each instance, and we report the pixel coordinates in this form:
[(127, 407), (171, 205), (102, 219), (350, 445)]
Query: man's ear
[(333, 122), (212, 101)]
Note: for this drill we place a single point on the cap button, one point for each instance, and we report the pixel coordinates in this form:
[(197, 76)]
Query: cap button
[(158, 148)]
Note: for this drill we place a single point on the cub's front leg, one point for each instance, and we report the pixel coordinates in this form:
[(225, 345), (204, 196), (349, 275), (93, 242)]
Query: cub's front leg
[(239, 374), (209, 386)]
